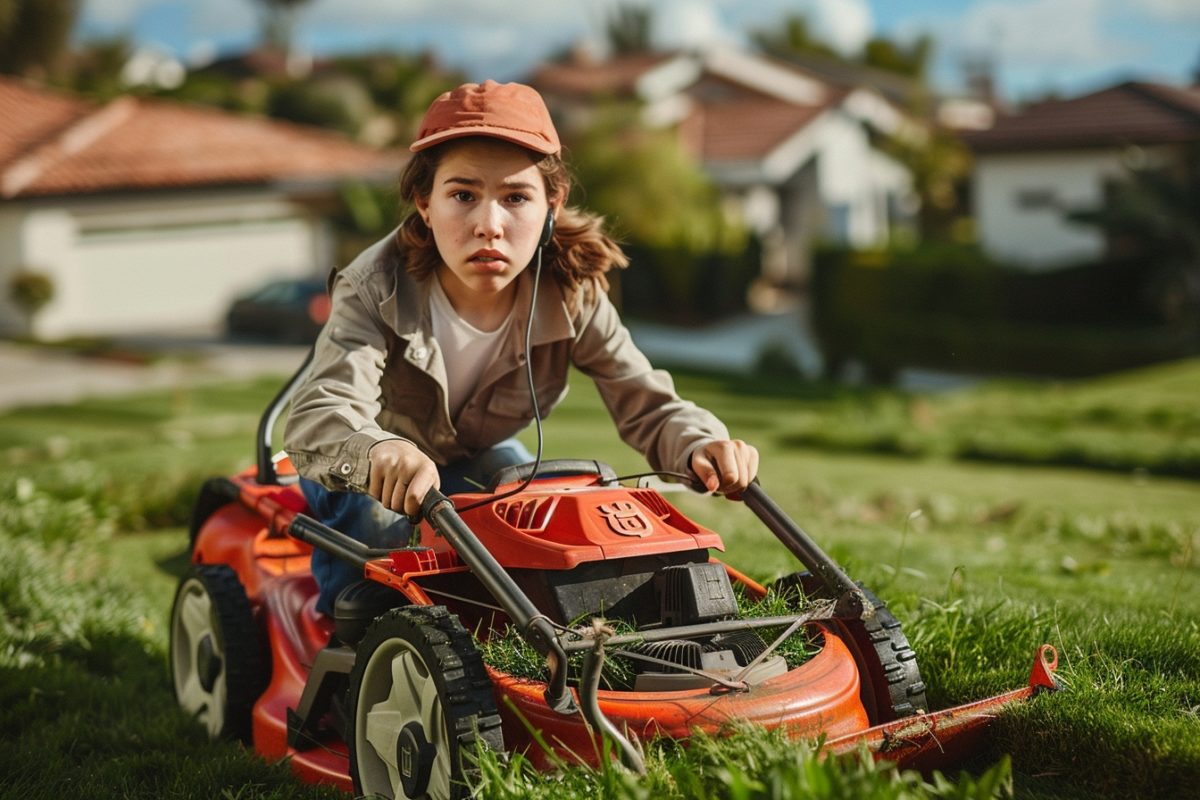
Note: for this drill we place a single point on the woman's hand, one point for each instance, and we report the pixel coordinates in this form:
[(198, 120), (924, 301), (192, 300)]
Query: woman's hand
[(725, 466), (401, 475)]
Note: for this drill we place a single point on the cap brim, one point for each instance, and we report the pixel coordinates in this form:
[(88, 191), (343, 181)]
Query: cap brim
[(526, 140)]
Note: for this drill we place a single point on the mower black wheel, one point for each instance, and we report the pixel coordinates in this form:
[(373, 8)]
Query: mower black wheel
[(218, 663), (420, 698), (892, 688)]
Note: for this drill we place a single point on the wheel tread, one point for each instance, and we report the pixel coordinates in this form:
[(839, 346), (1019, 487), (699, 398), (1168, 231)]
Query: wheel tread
[(468, 703)]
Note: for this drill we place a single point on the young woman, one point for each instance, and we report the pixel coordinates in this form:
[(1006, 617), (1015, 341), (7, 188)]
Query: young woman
[(419, 378)]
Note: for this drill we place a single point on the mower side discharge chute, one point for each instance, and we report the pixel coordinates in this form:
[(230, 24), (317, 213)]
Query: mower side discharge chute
[(941, 739)]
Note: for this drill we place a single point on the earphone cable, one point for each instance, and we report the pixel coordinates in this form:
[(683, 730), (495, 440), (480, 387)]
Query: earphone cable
[(537, 413)]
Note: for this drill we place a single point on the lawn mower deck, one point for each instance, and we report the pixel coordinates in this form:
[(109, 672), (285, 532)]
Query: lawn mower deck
[(391, 693)]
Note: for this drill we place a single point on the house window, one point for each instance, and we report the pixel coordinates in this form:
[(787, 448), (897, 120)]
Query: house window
[(838, 222), (1036, 199)]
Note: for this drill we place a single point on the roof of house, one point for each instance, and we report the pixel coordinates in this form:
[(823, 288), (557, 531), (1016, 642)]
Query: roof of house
[(743, 124), (1132, 113), (739, 108), (56, 144)]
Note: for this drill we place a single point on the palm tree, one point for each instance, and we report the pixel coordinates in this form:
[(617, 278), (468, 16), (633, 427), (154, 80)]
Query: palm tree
[(628, 29), (279, 22)]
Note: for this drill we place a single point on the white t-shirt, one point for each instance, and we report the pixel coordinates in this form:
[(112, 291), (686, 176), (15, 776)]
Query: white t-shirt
[(466, 350)]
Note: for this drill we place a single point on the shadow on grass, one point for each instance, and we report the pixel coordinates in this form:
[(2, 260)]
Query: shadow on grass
[(175, 565), (104, 724)]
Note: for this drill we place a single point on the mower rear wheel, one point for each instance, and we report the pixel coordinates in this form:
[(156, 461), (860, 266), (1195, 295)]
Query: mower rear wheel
[(892, 686), (420, 698), (218, 665)]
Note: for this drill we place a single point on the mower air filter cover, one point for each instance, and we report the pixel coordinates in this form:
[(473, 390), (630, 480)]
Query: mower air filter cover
[(693, 593)]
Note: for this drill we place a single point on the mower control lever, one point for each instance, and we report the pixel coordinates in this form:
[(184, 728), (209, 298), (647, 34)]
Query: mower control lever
[(851, 602)]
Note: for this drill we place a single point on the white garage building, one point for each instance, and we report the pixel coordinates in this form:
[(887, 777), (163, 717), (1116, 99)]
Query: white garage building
[(149, 215)]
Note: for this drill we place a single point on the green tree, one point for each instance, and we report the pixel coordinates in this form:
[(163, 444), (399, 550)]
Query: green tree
[(939, 165), (648, 186), (1150, 217), (401, 86), (97, 65), (30, 290), (792, 37), (656, 198), (34, 35), (628, 29), (891, 56)]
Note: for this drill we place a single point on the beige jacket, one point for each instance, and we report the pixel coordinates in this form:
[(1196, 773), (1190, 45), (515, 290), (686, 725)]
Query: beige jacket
[(379, 374)]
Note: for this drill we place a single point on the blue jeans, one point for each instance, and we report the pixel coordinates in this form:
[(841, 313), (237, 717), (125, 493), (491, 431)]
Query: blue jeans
[(364, 518)]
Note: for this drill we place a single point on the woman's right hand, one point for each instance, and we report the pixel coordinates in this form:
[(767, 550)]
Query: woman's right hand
[(401, 475)]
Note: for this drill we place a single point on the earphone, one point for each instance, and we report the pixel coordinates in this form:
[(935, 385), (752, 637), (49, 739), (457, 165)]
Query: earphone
[(547, 229)]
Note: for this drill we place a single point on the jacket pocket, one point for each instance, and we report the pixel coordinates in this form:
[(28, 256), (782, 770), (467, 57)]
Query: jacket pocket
[(514, 402)]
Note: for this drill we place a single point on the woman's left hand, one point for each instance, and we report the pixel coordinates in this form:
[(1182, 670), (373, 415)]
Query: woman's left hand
[(725, 466)]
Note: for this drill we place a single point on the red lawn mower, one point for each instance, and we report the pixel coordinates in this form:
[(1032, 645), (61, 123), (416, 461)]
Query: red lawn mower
[(391, 694)]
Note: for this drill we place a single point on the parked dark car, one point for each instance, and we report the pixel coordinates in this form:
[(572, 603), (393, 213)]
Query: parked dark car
[(292, 310)]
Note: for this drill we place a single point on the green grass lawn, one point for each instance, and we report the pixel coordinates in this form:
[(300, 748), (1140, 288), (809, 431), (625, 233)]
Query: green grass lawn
[(1078, 524)]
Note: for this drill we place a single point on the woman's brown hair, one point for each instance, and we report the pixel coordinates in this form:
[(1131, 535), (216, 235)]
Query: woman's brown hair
[(578, 252)]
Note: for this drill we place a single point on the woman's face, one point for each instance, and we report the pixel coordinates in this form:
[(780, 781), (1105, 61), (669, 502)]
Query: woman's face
[(486, 210)]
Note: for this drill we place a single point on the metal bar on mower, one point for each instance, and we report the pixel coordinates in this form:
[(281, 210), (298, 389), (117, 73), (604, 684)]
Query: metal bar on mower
[(334, 542), (534, 627), (822, 611), (809, 553), (266, 425)]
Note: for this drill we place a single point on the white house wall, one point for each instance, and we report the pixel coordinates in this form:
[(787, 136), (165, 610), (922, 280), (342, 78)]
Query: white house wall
[(131, 266), (1020, 201), (855, 181)]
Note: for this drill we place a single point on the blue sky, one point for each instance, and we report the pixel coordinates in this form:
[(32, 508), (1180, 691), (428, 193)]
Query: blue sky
[(1068, 46)]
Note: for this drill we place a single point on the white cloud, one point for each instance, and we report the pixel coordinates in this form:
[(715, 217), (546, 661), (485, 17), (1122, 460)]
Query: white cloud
[(115, 13), (1169, 10), (689, 23), (845, 24), (1032, 33), (221, 18)]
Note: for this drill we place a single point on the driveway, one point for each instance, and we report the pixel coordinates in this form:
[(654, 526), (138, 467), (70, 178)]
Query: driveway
[(34, 375)]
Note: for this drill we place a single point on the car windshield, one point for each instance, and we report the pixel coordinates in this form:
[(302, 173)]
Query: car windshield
[(281, 292)]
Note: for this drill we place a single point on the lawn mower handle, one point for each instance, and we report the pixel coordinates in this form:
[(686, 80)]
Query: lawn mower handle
[(851, 602), (533, 625)]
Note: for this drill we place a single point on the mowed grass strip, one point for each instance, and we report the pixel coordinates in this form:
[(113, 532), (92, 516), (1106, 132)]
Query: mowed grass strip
[(981, 561)]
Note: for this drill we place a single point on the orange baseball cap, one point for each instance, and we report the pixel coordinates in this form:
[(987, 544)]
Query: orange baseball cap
[(513, 112)]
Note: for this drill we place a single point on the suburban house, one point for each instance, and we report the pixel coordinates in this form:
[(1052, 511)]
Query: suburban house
[(795, 154), (149, 215), (1033, 167)]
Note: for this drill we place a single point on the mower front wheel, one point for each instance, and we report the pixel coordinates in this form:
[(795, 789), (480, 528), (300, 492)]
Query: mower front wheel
[(218, 666), (892, 687), (420, 698)]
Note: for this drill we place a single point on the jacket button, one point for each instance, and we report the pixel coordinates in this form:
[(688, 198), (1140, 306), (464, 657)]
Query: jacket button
[(346, 469)]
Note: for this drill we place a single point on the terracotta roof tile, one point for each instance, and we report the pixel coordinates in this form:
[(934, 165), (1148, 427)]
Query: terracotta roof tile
[(744, 129), (29, 115), (1131, 113), (136, 144)]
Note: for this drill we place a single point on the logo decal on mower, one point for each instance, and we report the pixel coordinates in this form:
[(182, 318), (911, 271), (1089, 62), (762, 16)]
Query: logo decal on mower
[(625, 518)]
